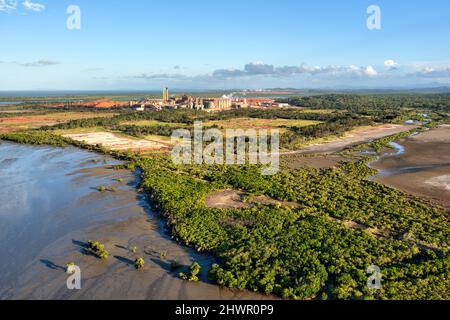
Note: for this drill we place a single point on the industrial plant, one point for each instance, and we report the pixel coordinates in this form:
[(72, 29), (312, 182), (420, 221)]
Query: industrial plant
[(214, 104)]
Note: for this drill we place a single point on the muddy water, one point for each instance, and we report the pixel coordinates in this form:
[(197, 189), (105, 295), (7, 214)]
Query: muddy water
[(49, 209), (420, 165)]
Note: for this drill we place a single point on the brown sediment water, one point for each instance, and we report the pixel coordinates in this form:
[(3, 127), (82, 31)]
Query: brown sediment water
[(50, 207), (422, 169)]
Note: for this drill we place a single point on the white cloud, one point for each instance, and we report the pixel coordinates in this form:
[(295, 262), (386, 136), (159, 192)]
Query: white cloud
[(370, 71), (391, 64), (429, 72), (354, 70), (260, 68), (161, 76), (430, 69), (8, 5), (40, 63), (268, 71), (28, 5)]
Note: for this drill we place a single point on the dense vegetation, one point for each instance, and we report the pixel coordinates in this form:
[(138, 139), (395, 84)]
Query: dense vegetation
[(303, 252), (193, 273), (36, 138), (97, 249)]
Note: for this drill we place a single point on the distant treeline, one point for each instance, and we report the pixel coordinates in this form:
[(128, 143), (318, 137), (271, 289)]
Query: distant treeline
[(291, 114), (374, 104), (141, 131)]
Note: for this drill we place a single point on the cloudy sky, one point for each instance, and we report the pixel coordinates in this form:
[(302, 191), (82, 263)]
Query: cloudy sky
[(197, 44)]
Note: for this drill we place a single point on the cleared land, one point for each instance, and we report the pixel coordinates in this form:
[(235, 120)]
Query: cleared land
[(226, 199), (233, 199), (115, 142), (35, 121)]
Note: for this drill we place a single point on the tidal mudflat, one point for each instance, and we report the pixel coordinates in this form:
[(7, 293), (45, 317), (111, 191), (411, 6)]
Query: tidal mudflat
[(422, 168), (353, 138), (50, 207)]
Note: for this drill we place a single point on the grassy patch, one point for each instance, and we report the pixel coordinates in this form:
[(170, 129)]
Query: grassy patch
[(253, 123)]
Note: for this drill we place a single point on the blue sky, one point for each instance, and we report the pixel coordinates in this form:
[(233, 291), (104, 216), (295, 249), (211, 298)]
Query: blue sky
[(197, 44)]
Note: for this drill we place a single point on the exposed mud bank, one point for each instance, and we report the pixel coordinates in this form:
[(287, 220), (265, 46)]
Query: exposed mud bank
[(422, 167), (50, 207)]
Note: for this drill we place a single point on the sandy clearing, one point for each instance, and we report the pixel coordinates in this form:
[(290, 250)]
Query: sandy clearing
[(226, 199), (233, 199), (55, 117), (441, 182), (24, 122), (114, 142)]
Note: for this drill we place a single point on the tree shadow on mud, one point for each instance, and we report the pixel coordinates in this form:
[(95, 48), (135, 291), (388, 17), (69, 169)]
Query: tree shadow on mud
[(127, 261), (172, 267), (51, 265), (121, 247), (83, 248)]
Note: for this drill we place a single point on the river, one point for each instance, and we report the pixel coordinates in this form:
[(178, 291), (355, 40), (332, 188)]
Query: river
[(50, 207)]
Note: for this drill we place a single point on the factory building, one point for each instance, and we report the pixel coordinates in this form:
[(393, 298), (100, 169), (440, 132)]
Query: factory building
[(166, 94)]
